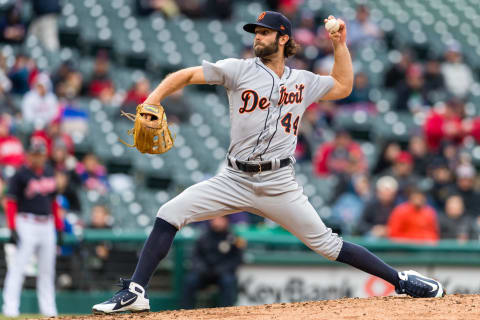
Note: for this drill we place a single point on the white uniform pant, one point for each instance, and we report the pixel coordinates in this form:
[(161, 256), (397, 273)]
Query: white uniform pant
[(272, 194), (37, 238)]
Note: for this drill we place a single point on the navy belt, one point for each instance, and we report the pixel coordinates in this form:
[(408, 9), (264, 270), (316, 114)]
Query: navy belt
[(258, 167)]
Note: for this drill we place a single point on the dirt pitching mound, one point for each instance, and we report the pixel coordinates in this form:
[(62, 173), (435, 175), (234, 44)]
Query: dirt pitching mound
[(451, 307)]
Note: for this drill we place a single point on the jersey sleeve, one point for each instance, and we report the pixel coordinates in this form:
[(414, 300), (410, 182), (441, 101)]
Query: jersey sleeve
[(223, 72), (14, 187), (316, 86)]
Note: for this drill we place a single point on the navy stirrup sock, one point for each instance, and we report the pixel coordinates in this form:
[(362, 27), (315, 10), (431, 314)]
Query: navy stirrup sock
[(154, 250), (362, 259)]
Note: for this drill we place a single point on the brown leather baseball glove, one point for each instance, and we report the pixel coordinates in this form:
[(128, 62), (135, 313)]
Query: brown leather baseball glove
[(150, 131)]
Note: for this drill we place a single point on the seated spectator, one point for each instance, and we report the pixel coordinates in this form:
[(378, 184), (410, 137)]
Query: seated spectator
[(442, 182), (40, 105), (11, 148), (44, 23), (458, 75), (22, 74), (434, 81), (100, 218), (216, 257), (454, 223), (413, 220), (444, 124), (12, 28), (67, 81), (360, 92), (177, 107), (418, 149), (169, 8), (342, 157), (51, 134), (302, 150), (219, 9), (411, 94), (373, 221), (465, 188), (348, 207), (402, 171), (397, 73), (92, 174), (136, 95), (61, 159), (191, 8), (100, 83), (388, 154), (6, 104), (304, 34), (66, 192), (362, 31)]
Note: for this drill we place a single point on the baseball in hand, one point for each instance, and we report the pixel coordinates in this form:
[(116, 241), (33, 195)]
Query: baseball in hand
[(332, 25)]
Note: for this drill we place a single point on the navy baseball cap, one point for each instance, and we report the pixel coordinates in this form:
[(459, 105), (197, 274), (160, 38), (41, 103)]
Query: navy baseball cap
[(272, 20)]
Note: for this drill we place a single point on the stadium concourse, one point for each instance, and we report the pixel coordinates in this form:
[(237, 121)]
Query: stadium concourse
[(412, 118)]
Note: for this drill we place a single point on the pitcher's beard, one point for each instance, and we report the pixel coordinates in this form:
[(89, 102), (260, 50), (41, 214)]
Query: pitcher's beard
[(264, 52)]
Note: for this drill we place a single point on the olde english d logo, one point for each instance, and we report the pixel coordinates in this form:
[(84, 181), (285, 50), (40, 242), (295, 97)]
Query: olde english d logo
[(251, 100)]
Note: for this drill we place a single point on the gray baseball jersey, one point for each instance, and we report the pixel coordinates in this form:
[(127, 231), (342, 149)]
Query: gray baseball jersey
[(265, 110)]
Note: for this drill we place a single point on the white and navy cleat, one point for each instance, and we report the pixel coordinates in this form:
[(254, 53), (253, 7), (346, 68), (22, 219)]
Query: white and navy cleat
[(132, 297), (418, 286)]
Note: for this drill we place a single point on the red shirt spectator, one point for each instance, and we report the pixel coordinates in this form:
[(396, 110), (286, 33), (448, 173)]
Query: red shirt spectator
[(11, 148), (52, 133), (138, 93), (342, 155), (100, 80), (444, 125), (414, 220)]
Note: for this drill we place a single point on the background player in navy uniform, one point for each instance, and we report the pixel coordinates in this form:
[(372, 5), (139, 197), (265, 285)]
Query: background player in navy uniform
[(266, 102), (32, 217), (216, 257)]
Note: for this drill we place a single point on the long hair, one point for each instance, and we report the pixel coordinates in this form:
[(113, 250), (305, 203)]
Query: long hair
[(291, 47)]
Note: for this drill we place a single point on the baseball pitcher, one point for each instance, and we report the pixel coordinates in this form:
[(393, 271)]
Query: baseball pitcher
[(266, 100)]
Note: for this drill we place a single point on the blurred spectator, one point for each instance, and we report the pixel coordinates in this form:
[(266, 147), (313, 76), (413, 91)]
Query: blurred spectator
[(373, 221), (168, 8), (44, 25), (434, 81), (342, 157), (191, 8), (12, 28), (51, 134), (66, 192), (22, 74), (454, 223), (397, 72), (442, 180), (98, 254), (100, 84), (61, 159), (136, 95), (177, 107), (216, 257), (418, 149), (11, 148), (465, 188), (303, 151), (362, 31), (219, 9), (304, 34), (458, 76), (444, 124), (348, 207), (402, 171), (67, 81), (413, 220), (6, 104), (388, 154), (360, 92), (92, 174), (411, 94), (40, 105)]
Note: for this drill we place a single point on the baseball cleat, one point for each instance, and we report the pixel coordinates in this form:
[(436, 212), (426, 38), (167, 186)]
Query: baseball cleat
[(132, 297), (418, 286)]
